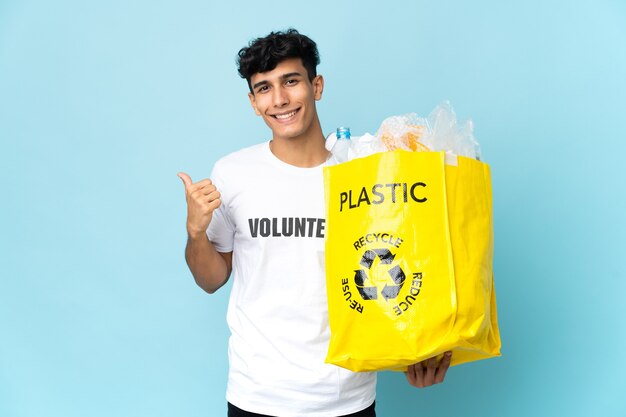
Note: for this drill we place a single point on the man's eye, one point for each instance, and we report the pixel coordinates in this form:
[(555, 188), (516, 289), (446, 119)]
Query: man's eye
[(262, 89), (291, 82)]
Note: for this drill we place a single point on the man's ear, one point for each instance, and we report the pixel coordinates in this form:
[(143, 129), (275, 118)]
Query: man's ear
[(253, 103), (318, 87)]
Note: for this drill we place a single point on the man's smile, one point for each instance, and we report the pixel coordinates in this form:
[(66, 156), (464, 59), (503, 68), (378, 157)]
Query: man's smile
[(285, 116)]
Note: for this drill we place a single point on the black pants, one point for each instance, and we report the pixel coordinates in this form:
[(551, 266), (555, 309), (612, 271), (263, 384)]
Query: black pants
[(238, 412)]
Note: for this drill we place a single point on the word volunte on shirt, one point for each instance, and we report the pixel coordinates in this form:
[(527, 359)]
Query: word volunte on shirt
[(287, 227)]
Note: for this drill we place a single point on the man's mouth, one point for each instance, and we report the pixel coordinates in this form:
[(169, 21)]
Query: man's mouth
[(285, 116)]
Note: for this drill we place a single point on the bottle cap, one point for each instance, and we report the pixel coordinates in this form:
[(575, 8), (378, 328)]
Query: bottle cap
[(343, 133)]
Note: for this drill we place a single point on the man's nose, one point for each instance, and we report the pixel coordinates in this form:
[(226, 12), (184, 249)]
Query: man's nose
[(280, 97)]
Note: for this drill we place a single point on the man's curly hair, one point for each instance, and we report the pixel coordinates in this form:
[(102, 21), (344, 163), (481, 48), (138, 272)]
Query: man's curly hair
[(264, 54)]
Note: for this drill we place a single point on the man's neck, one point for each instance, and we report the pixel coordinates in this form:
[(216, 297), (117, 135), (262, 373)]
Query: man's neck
[(304, 152)]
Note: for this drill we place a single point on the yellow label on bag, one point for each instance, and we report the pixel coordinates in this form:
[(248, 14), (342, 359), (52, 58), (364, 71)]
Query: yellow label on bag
[(390, 272)]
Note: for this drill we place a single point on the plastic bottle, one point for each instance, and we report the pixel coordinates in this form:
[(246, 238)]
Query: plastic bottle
[(342, 146)]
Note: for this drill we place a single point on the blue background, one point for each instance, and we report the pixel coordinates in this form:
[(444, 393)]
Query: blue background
[(102, 103)]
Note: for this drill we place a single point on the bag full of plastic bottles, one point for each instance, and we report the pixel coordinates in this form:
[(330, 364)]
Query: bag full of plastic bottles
[(409, 245)]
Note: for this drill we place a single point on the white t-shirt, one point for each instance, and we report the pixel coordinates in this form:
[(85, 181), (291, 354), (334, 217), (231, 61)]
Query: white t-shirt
[(272, 219)]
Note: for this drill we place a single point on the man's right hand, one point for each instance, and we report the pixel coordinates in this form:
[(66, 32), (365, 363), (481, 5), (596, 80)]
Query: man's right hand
[(202, 199)]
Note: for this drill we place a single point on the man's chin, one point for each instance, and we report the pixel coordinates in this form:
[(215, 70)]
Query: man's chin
[(286, 134)]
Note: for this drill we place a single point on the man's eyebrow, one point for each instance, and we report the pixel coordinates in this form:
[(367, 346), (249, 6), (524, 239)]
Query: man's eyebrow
[(290, 74), (260, 83)]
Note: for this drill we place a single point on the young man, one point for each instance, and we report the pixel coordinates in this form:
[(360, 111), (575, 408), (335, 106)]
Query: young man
[(261, 217)]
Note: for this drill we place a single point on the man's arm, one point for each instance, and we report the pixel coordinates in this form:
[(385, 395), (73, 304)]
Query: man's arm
[(209, 267)]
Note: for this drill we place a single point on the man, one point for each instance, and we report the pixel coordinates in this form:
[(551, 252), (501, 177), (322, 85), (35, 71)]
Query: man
[(261, 217)]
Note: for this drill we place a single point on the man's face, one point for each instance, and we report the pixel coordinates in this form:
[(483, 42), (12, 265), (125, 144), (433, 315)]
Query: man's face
[(285, 98)]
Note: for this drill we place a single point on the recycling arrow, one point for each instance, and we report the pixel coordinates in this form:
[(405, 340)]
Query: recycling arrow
[(367, 293), (361, 279), (385, 256), (397, 275), (390, 291)]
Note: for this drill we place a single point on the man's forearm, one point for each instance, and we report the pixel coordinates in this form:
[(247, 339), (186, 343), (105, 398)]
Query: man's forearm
[(209, 268)]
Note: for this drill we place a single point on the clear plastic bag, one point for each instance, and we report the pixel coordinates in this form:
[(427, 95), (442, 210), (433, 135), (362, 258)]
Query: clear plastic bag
[(440, 131), (444, 133)]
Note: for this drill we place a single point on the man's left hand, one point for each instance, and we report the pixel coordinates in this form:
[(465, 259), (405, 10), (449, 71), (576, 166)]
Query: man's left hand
[(428, 372)]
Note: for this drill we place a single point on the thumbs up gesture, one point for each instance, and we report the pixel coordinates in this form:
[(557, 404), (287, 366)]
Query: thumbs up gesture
[(202, 199)]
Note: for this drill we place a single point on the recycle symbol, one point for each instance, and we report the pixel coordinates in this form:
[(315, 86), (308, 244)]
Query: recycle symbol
[(362, 281)]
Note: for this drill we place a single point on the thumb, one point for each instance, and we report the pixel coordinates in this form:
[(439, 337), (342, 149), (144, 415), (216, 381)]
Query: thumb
[(185, 178)]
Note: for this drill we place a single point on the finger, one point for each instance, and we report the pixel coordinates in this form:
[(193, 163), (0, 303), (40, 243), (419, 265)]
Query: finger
[(200, 185), (207, 189), (214, 204), (185, 178), (431, 368), (411, 376), (419, 375), (202, 192), (215, 195), (443, 367)]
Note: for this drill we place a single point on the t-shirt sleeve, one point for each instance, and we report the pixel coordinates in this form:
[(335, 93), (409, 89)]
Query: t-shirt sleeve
[(221, 231)]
